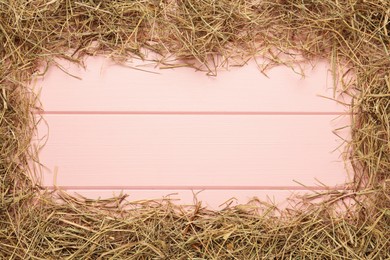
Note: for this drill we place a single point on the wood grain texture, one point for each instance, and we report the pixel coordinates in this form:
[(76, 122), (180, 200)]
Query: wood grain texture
[(108, 87), (191, 151), (151, 132)]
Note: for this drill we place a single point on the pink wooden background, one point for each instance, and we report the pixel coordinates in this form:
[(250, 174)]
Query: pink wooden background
[(178, 131)]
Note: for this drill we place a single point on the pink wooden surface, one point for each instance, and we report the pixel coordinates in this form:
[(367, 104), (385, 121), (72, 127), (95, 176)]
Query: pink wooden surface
[(191, 150), (239, 134), (109, 87), (213, 199)]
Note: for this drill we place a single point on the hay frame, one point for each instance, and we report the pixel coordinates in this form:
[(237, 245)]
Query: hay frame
[(351, 34)]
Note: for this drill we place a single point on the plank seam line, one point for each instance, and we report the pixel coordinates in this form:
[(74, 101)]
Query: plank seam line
[(196, 188), (187, 113)]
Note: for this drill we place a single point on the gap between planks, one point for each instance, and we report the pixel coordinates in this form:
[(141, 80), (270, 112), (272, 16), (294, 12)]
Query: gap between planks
[(255, 188), (188, 113)]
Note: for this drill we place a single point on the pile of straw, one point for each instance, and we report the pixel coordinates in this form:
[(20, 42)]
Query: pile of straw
[(349, 34)]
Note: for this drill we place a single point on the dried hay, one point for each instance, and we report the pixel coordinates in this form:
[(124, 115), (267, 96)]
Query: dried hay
[(353, 34)]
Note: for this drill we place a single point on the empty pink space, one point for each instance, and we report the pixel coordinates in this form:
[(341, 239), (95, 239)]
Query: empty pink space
[(150, 132)]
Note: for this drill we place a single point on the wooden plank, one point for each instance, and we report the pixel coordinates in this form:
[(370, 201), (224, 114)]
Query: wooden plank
[(191, 151), (212, 199), (109, 87)]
